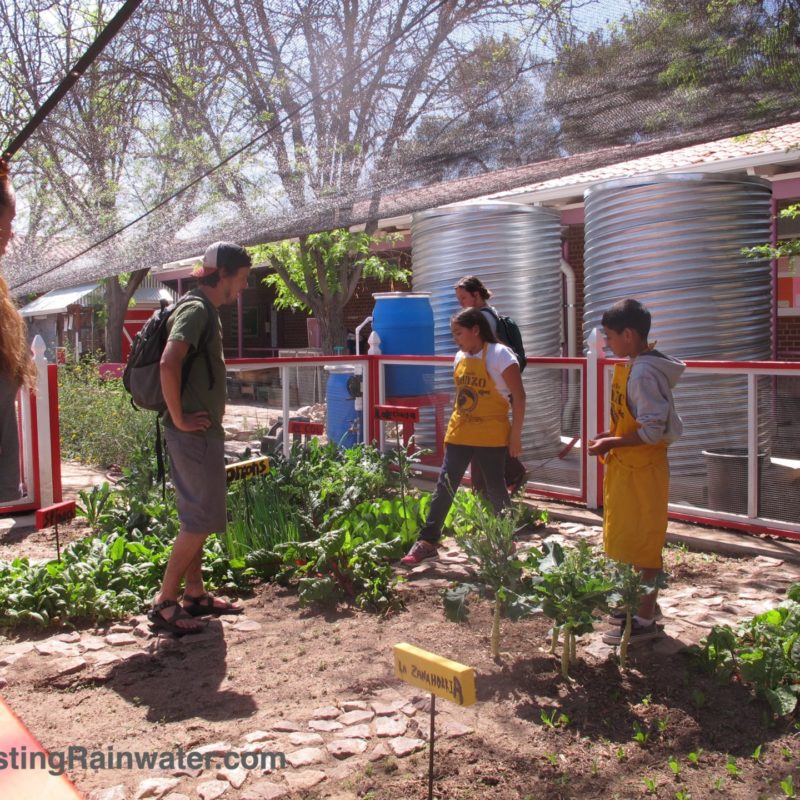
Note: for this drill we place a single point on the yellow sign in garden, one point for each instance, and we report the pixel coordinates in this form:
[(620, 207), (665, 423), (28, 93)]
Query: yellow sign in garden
[(247, 469), (436, 674)]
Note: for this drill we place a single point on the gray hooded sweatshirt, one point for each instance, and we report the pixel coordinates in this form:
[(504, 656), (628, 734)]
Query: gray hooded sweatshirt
[(650, 384)]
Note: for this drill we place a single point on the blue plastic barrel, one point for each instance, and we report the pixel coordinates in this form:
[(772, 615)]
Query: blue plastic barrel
[(404, 321), (342, 419)]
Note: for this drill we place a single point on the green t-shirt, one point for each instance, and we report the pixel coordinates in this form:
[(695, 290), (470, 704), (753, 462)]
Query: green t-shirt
[(188, 324)]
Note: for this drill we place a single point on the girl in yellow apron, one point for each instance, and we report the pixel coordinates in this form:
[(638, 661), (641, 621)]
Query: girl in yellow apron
[(643, 424), (486, 376)]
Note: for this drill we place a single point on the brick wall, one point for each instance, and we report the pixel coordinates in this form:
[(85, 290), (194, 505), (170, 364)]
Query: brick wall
[(574, 240), (789, 338)]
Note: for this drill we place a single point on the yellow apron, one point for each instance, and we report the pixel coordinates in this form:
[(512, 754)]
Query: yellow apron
[(480, 413), (635, 489)]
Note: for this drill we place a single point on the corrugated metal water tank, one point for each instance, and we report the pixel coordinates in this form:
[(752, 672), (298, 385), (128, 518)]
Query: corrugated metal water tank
[(515, 250), (674, 242)]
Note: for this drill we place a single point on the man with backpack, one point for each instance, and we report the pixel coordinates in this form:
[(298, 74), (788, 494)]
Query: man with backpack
[(193, 383), (471, 293)]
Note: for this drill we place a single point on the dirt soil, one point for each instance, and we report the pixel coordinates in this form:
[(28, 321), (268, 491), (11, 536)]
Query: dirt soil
[(268, 679)]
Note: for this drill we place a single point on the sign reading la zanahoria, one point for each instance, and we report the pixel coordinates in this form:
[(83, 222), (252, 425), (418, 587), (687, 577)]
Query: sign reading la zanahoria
[(247, 469), (436, 674)]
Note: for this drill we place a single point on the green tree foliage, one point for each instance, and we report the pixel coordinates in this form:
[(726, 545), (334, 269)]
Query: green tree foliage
[(320, 272), (494, 116), (785, 247), (673, 66)]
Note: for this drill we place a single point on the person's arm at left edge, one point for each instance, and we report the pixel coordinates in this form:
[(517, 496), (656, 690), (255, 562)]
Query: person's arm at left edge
[(513, 378)]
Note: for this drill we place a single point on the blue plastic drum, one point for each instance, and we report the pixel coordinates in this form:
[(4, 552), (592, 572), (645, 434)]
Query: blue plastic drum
[(342, 420), (404, 321)]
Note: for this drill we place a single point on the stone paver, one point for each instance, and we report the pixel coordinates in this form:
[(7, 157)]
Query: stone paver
[(306, 757), (356, 717), (211, 790), (302, 781), (404, 746), (265, 790), (305, 739), (390, 726), (344, 748), (325, 725)]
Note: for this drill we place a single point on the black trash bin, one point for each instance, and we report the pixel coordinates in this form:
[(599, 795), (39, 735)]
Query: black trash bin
[(726, 471)]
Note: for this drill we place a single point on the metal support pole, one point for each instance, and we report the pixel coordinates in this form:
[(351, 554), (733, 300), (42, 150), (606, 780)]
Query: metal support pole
[(752, 446), (430, 747)]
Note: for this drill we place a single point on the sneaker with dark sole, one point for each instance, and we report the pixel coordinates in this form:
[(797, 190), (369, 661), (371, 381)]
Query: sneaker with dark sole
[(639, 633), (420, 551), (618, 617)]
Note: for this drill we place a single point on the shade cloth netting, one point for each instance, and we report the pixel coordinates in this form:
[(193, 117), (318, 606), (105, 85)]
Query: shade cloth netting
[(326, 114)]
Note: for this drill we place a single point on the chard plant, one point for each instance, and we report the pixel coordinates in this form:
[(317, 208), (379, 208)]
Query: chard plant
[(488, 541), (762, 652), (629, 589), (571, 584), (93, 504)]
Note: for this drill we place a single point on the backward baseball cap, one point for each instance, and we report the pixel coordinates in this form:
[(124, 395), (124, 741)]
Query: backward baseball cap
[(225, 255)]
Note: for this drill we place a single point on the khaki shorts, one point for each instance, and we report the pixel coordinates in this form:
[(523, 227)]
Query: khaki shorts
[(197, 470)]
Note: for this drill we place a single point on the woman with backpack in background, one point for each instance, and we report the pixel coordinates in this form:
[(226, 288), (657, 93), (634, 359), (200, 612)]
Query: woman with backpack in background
[(471, 293), (487, 376), (16, 365)]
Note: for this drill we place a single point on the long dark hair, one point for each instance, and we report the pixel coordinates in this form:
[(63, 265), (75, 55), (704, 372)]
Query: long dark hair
[(469, 318), (473, 285)]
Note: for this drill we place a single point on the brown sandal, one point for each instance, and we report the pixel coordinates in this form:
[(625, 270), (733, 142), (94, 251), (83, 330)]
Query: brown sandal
[(159, 621), (204, 604)]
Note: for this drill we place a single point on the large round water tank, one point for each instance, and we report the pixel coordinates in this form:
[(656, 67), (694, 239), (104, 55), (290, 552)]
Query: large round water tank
[(515, 250), (674, 242)]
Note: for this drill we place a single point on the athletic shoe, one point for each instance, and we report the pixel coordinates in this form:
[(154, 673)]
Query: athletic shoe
[(639, 633), (618, 617), (421, 551)]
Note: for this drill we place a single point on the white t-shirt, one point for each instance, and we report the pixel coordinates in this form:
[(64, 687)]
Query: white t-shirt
[(498, 359)]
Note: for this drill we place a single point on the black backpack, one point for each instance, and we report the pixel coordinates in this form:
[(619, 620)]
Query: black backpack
[(509, 334), (142, 375)]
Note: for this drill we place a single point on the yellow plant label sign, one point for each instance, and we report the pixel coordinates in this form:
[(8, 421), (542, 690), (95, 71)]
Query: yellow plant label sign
[(247, 469), (443, 677)]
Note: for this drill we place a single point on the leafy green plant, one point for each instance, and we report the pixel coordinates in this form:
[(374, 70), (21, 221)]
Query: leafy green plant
[(640, 735), (763, 652), (488, 541), (97, 423), (756, 755), (570, 584), (694, 757), (630, 588), (674, 765), (732, 767), (92, 504), (787, 784), (554, 719)]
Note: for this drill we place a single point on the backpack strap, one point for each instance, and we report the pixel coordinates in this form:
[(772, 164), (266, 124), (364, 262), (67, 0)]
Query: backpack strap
[(202, 345)]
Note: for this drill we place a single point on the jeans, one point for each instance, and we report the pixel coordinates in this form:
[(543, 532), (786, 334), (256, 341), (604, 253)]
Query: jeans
[(489, 460)]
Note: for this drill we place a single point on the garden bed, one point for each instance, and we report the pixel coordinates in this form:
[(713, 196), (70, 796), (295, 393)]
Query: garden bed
[(660, 729)]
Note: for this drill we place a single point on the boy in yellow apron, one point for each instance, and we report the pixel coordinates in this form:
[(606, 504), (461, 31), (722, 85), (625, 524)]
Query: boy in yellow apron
[(487, 376), (643, 424)]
